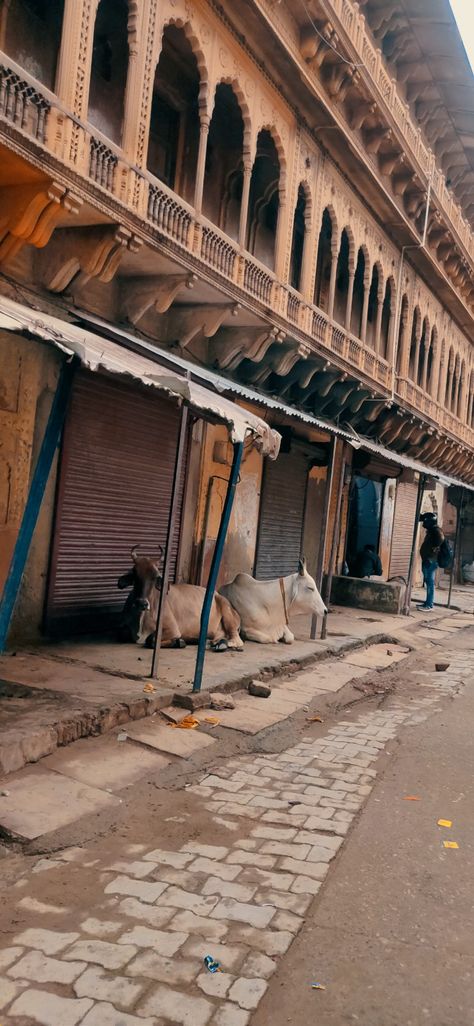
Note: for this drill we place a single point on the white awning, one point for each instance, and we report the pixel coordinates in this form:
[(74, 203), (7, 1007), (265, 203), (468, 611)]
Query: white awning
[(98, 353)]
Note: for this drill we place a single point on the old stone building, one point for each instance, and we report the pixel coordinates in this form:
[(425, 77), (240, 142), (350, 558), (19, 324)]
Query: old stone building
[(273, 197)]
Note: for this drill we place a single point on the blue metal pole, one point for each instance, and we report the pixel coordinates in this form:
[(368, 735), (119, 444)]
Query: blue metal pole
[(216, 562), (35, 496)]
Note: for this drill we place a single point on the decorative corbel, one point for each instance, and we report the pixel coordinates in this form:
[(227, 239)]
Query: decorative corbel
[(158, 291), (30, 213), (83, 253)]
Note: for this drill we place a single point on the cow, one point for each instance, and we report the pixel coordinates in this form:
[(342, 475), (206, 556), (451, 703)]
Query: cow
[(264, 606), (182, 612)]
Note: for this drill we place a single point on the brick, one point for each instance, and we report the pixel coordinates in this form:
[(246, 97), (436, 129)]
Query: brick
[(316, 870), (296, 851), (245, 858), (283, 818), (305, 885), (188, 922), (279, 881), (209, 851), (136, 869), (48, 941), (230, 1015), (141, 889), (321, 854), (106, 1015), (319, 840), (270, 942), (178, 898), (39, 968), (257, 966), (263, 802), (215, 984), (230, 957), (49, 1009), (165, 1003), (274, 833), (223, 785), (9, 955), (248, 993), (175, 971), (101, 928), (219, 869), (281, 899), (176, 859), (315, 823), (287, 921), (228, 890), (230, 809), (149, 914), (104, 953), (102, 986), (181, 878), (143, 937), (9, 991), (237, 911), (42, 907), (247, 845)]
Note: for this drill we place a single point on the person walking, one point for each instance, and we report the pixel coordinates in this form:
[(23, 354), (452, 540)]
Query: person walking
[(429, 550)]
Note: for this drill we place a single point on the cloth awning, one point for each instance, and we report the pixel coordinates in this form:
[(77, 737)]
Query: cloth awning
[(101, 354)]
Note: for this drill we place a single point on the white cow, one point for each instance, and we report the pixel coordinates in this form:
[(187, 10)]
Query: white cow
[(264, 607)]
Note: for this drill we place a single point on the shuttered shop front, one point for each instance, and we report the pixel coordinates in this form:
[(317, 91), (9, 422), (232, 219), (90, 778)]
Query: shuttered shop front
[(282, 509), (403, 523), (114, 492)]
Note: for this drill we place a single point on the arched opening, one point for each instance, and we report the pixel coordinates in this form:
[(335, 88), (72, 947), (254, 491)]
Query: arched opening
[(31, 36), (373, 307), (430, 364), (223, 178), (470, 418), (441, 373), (109, 68), (402, 331), (342, 279), (423, 354), (385, 323), (173, 142), (449, 379), (461, 390), (358, 295), (297, 242), (324, 261), (415, 334), (264, 200)]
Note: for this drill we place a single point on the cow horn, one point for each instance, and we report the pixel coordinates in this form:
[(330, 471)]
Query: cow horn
[(134, 552)]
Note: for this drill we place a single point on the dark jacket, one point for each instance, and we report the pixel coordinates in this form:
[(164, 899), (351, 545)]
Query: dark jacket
[(430, 545), (367, 564)]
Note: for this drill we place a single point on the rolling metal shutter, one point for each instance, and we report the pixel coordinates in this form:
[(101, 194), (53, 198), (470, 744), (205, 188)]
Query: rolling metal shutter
[(114, 492), (403, 523), (282, 509)]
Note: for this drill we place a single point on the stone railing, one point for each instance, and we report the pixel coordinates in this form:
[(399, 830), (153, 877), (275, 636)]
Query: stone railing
[(429, 407), (102, 164), (22, 104)]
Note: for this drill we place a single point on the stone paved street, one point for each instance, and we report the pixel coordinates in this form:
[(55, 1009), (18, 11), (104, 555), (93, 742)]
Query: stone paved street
[(133, 951)]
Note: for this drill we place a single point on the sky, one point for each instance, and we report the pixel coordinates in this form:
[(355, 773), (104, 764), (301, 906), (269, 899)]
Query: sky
[(464, 14)]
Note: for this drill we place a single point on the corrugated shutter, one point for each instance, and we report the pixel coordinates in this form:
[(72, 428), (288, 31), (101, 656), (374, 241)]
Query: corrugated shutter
[(281, 515), (403, 523), (114, 492)]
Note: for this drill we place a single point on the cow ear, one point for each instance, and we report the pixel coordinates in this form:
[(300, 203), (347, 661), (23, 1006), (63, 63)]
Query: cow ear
[(158, 582), (302, 566), (126, 580)]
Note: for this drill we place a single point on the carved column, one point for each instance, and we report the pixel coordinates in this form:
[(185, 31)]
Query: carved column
[(135, 74), (281, 238), (75, 54), (205, 121), (332, 278), (378, 321), (244, 204), (350, 292), (365, 310), (417, 352)]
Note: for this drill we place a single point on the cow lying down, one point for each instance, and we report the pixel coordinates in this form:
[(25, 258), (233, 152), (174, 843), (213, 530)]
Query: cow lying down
[(182, 613), (264, 607)]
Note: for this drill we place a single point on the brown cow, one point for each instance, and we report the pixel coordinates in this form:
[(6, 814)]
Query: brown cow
[(182, 613)]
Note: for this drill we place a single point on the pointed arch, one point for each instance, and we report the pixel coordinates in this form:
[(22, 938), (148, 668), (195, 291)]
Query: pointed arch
[(224, 168), (358, 295), (414, 341), (327, 233), (264, 200), (375, 298), (109, 68), (423, 354), (301, 218), (442, 372), (401, 341), (386, 324), (460, 410), (432, 365), (342, 277)]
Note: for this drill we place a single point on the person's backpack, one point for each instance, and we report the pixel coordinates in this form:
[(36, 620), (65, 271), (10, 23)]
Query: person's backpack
[(445, 554)]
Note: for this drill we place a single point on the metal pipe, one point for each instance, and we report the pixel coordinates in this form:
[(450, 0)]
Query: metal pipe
[(216, 562), (173, 510), (456, 547), (334, 544), (32, 508), (408, 589), (324, 529)]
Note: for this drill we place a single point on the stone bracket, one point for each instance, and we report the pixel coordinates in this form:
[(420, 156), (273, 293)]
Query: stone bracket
[(30, 213), (83, 253)]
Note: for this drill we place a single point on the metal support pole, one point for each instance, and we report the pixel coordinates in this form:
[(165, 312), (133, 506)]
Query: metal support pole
[(216, 562), (324, 529), (178, 463), (456, 547), (35, 495), (334, 544), (419, 501)]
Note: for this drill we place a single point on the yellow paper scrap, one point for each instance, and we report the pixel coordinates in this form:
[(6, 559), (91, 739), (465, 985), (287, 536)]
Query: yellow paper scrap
[(148, 689), (451, 844), (213, 721), (445, 822), (189, 723), (411, 798)]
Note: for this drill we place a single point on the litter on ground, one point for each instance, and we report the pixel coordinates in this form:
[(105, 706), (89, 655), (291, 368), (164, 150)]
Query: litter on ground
[(411, 798), (451, 844), (189, 723), (445, 822)]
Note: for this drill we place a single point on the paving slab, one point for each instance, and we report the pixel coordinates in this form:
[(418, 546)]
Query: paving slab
[(248, 719), (174, 740), (330, 676), (377, 657), (105, 762), (40, 801)]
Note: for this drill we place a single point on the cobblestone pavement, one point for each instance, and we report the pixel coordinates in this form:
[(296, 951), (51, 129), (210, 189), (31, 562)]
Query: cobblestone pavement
[(136, 957)]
